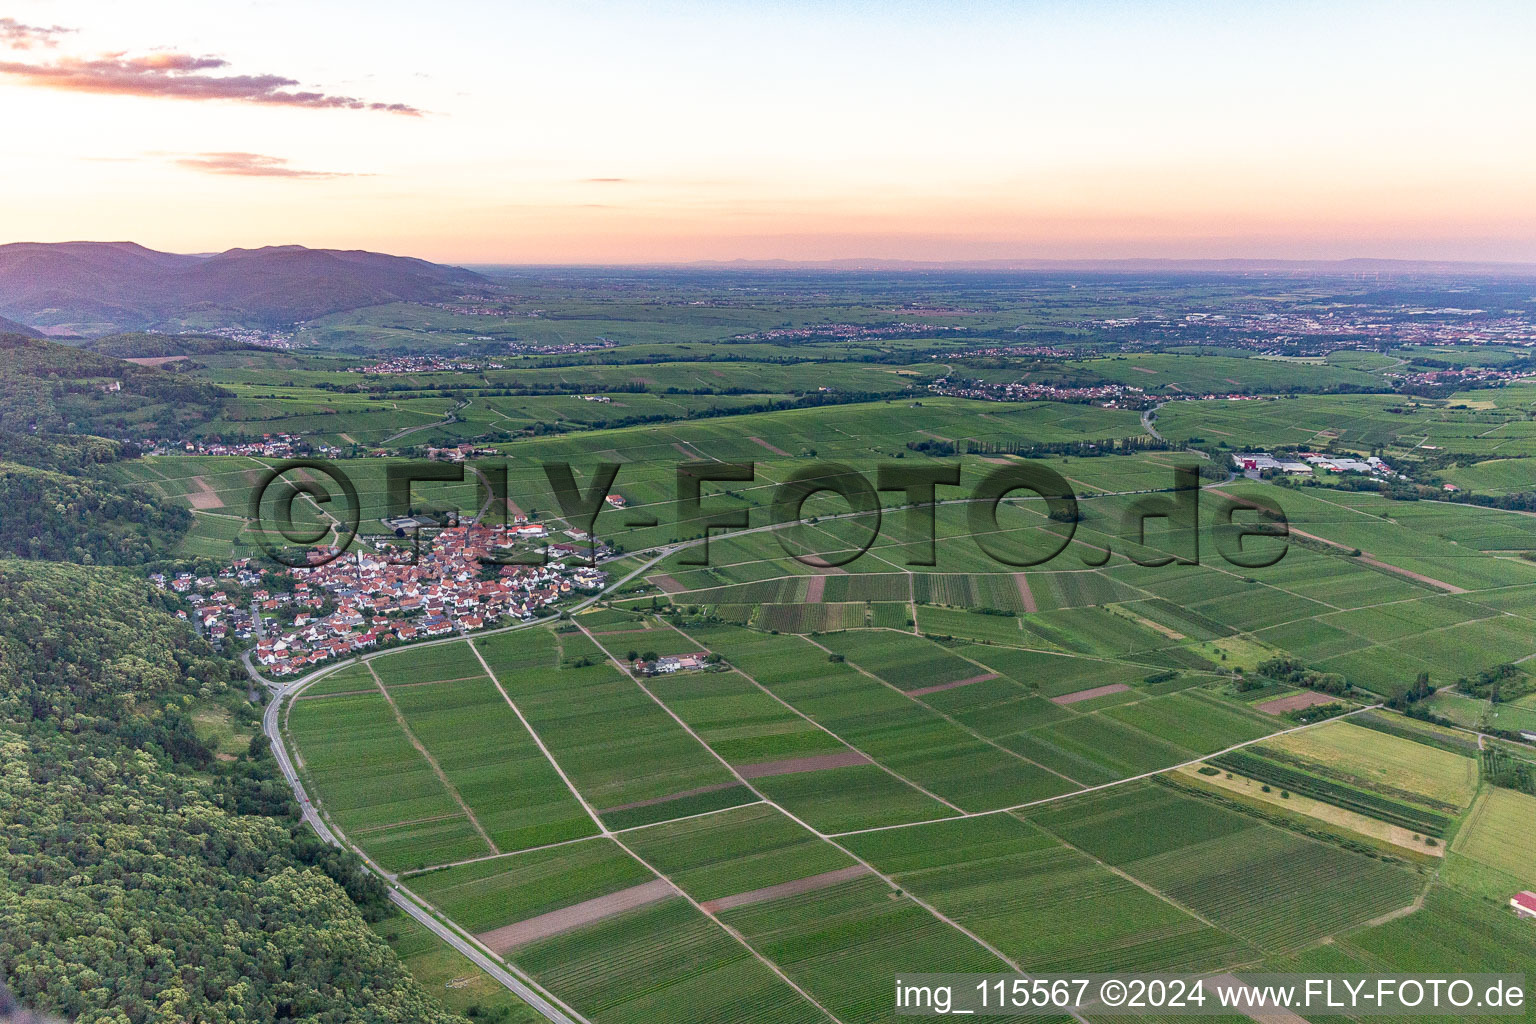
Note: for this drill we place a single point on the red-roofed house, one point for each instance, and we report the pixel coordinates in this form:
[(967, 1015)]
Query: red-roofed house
[(1524, 904)]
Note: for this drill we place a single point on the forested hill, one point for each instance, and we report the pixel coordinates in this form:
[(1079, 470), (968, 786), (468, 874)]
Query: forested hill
[(12, 327), (46, 386), (57, 507), (98, 287), (142, 345), (140, 879), (60, 517)]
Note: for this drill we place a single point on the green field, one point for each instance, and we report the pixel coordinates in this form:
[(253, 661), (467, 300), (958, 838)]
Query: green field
[(1499, 833), (1271, 887), (896, 764)]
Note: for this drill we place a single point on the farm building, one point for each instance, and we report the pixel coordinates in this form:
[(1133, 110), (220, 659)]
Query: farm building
[(1524, 904), (1263, 460), (675, 663)]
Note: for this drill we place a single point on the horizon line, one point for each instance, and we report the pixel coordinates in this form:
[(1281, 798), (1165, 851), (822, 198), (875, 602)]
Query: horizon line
[(1021, 263)]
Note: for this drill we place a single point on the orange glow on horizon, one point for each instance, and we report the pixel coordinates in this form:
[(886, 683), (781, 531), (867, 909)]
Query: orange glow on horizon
[(996, 131)]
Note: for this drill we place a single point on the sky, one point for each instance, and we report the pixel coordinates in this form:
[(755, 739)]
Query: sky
[(661, 131)]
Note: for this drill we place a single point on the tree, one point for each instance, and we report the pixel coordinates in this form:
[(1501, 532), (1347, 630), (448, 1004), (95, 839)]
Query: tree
[(105, 781)]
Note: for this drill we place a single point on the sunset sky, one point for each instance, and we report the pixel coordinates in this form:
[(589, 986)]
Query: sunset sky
[(586, 131)]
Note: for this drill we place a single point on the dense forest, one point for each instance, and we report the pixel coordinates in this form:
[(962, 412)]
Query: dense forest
[(141, 879), (46, 386), (138, 344), (58, 506), (68, 518)]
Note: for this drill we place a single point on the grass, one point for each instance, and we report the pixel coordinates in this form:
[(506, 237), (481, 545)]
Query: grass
[(451, 977), (845, 944), (493, 763), (1196, 724), (488, 894), (1288, 805), (427, 664), (663, 962), (350, 679), (1139, 877), (1500, 833), (739, 721), (855, 797), (1381, 760), (615, 743), (1289, 778), (215, 726), (1093, 749), (1474, 934), (969, 625), (906, 662)]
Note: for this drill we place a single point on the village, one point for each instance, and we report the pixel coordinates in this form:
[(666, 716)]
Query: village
[(424, 364), (1108, 395), (302, 617), (272, 446), (1314, 333)]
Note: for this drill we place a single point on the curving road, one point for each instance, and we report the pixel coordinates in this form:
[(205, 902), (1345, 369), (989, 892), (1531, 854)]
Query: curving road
[(271, 726), (270, 723), (448, 419)]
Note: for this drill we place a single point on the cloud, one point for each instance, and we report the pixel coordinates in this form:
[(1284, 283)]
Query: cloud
[(250, 165), (181, 76), (16, 36), (605, 181)]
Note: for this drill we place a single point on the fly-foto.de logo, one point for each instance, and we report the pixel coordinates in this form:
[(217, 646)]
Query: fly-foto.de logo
[(1018, 515)]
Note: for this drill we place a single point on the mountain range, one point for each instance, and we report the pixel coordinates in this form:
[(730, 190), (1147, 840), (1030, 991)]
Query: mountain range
[(96, 288)]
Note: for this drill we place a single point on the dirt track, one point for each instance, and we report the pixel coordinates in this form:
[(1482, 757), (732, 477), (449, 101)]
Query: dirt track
[(557, 921), (1025, 594), (795, 765), (825, 880), (1294, 701), (1097, 691), (950, 686)]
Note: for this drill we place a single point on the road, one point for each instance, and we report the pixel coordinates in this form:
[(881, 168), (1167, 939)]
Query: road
[(447, 419), (1146, 421), (270, 724), (1146, 424)]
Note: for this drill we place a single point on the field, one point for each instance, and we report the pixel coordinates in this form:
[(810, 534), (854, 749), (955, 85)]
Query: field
[(1450, 928), (1273, 888), (1376, 759), (1328, 810), (451, 976), (1499, 834), (890, 767), (1046, 905), (973, 761), (763, 793)]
